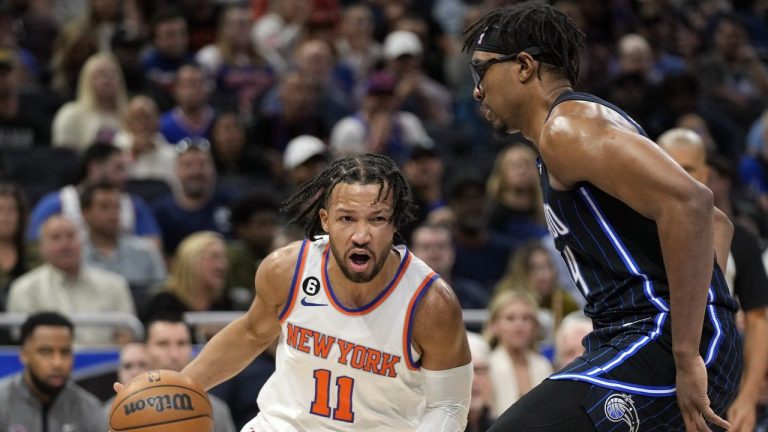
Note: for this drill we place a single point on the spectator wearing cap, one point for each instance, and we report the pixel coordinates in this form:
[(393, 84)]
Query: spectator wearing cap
[(20, 127), (197, 205), (416, 92), (380, 127), (147, 151), (304, 158), (193, 115)]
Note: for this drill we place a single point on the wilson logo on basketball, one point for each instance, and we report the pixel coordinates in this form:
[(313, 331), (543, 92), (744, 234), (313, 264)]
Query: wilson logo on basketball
[(177, 402)]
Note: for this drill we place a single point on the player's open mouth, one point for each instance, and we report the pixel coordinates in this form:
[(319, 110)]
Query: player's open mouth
[(359, 261)]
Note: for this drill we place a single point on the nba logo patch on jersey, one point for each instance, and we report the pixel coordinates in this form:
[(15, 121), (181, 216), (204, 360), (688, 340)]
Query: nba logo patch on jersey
[(619, 407)]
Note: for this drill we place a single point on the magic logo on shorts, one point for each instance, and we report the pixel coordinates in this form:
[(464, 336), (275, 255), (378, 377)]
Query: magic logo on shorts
[(619, 407)]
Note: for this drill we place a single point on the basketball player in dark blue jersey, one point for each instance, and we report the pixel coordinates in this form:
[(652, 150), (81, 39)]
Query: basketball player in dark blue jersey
[(641, 239)]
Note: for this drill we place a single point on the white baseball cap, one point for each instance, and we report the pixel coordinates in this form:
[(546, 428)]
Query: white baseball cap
[(301, 149), (402, 42)]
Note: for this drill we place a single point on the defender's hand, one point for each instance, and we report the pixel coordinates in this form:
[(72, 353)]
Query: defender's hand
[(117, 386), (742, 414), (692, 397)]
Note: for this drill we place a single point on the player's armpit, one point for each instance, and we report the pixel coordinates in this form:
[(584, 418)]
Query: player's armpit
[(723, 237)]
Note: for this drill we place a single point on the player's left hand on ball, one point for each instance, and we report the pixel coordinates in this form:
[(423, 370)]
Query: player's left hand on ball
[(692, 396), (117, 386)]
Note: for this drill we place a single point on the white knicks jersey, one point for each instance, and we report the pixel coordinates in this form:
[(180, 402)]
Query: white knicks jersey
[(341, 369)]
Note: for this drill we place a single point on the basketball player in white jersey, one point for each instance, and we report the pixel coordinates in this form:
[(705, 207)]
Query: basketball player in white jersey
[(370, 338)]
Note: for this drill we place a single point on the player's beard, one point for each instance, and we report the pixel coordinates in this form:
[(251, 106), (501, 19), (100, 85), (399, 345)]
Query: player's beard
[(44, 387), (341, 261)]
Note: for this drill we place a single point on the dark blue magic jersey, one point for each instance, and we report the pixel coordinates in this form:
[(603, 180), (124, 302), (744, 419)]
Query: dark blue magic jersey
[(614, 257)]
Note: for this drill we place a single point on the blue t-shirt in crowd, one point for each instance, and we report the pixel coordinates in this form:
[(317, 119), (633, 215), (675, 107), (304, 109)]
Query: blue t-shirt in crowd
[(177, 223)]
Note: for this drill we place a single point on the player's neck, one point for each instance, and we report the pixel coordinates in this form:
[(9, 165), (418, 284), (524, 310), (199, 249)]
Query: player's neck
[(533, 122), (355, 295)]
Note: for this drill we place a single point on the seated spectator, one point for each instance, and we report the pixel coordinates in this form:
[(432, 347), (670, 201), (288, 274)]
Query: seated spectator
[(481, 253), (241, 74), (197, 204), (255, 222), (71, 50), (434, 245), (43, 397), (574, 327), (14, 257), (514, 191), (21, 127), (416, 92), (169, 346), (66, 284), (292, 109), (233, 154), (424, 170), (169, 50), (513, 327), (304, 157), (753, 171), (315, 59), (357, 48), (100, 163), (133, 361), (192, 116), (277, 32), (480, 418), (532, 269), (94, 117), (106, 247), (197, 278), (380, 126), (149, 153)]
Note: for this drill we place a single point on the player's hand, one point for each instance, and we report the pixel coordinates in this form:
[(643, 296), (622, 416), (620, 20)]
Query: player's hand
[(117, 386), (692, 396), (742, 414)]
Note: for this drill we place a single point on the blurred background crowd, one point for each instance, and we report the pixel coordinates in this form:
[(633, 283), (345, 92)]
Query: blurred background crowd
[(146, 145)]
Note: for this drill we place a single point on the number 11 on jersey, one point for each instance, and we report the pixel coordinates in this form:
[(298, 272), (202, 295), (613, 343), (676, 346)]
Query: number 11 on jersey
[(321, 405)]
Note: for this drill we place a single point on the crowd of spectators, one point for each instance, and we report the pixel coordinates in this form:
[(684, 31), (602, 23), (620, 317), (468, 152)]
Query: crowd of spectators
[(145, 147)]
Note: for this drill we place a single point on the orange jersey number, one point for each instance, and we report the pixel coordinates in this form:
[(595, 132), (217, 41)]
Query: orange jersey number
[(321, 405)]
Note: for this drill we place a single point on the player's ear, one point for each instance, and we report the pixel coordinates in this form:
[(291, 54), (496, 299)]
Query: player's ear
[(323, 213), (526, 66)]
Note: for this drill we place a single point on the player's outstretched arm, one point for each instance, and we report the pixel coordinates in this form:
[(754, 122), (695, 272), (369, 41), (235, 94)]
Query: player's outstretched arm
[(235, 346), (446, 367), (587, 142)]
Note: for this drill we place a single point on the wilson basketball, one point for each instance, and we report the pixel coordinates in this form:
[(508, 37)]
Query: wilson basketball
[(161, 401)]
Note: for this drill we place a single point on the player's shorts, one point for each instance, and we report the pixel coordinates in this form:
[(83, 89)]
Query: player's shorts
[(574, 406), (626, 382)]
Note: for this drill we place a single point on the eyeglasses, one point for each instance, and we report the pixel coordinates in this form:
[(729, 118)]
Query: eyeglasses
[(480, 67), (188, 144)]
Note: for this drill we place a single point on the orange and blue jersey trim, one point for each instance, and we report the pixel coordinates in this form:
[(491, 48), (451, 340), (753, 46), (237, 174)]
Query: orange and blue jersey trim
[(297, 272), (409, 319), (404, 263)]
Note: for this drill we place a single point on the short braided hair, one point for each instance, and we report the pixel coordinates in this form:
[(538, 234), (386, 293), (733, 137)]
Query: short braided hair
[(534, 23), (310, 197)]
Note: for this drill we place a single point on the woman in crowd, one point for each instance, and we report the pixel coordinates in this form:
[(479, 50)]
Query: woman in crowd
[(511, 329), (532, 269), (196, 282), (96, 114)]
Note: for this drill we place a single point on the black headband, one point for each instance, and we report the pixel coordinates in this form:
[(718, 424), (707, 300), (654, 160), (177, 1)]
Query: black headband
[(490, 41)]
